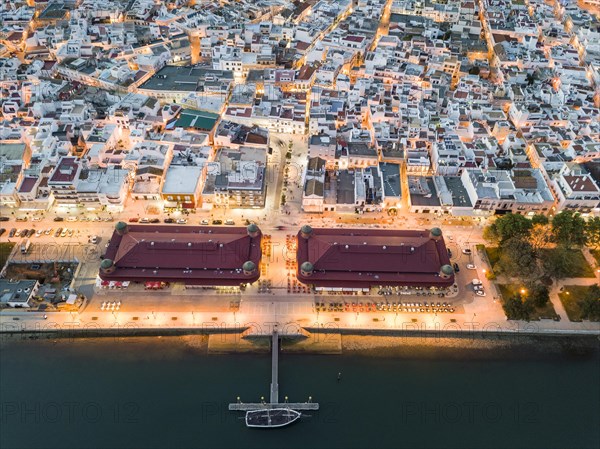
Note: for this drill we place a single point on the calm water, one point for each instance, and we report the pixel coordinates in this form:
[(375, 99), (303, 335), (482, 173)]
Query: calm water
[(156, 393)]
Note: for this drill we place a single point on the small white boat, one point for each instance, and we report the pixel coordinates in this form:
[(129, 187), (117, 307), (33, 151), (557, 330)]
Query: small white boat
[(269, 418)]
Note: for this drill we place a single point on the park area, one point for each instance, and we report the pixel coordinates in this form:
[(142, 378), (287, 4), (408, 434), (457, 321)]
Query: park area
[(536, 312), (574, 298), (576, 266)]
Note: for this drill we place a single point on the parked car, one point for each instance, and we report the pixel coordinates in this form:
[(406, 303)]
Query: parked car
[(2, 231), (204, 222), (466, 251), (154, 220), (21, 219), (12, 232), (280, 228), (229, 222), (48, 231), (58, 232), (480, 293), (71, 219), (181, 221), (217, 222), (470, 266), (456, 267), (144, 220), (39, 232), (70, 233), (134, 220), (109, 219), (64, 232), (4, 218), (30, 232), (169, 220), (94, 239), (22, 233), (59, 219), (449, 253), (476, 282), (36, 219)]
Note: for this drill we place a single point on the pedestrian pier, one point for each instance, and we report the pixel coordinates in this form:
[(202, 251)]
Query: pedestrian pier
[(274, 397)]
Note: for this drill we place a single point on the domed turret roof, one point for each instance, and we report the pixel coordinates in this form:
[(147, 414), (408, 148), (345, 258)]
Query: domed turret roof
[(447, 270), (307, 267), (252, 228), (306, 229), (106, 263), (120, 226), (249, 266), (436, 232)]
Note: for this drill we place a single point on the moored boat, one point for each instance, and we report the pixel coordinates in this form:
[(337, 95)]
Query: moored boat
[(274, 417)]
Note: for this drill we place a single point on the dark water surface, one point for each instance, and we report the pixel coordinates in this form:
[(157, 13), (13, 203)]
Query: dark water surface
[(157, 393)]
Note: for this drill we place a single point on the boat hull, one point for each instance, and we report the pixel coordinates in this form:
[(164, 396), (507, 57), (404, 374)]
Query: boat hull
[(271, 418)]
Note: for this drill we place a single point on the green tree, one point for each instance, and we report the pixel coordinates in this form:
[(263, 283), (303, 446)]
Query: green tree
[(516, 308), (518, 259), (559, 263), (539, 219), (512, 225), (592, 233), (590, 305), (490, 233), (568, 229), (540, 235), (538, 294)]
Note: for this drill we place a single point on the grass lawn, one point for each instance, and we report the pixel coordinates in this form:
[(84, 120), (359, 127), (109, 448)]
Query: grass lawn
[(5, 250), (570, 297), (581, 267), (546, 312)]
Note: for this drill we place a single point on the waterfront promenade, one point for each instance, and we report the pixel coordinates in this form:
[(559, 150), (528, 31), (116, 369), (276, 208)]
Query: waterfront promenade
[(289, 314)]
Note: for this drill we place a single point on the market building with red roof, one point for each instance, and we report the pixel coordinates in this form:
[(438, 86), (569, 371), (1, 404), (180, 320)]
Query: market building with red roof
[(366, 258), (193, 255)]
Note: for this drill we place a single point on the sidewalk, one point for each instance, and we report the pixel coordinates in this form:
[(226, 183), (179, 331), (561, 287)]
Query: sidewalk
[(262, 315)]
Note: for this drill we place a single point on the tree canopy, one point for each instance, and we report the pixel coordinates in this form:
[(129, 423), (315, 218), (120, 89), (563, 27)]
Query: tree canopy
[(590, 305), (509, 226), (568, 229), (516, 308), (592, 233), (518, 259)]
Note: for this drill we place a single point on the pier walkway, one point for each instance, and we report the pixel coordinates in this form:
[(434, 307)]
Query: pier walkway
[(274, 399)]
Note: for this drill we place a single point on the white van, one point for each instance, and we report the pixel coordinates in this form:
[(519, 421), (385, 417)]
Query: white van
[(25, 245)]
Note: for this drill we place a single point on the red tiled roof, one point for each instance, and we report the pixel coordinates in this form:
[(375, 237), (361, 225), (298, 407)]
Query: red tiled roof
[(191, 254), (363, 258)]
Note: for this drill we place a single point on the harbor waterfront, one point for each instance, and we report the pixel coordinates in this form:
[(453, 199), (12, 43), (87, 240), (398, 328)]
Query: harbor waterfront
[(393, 392)]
